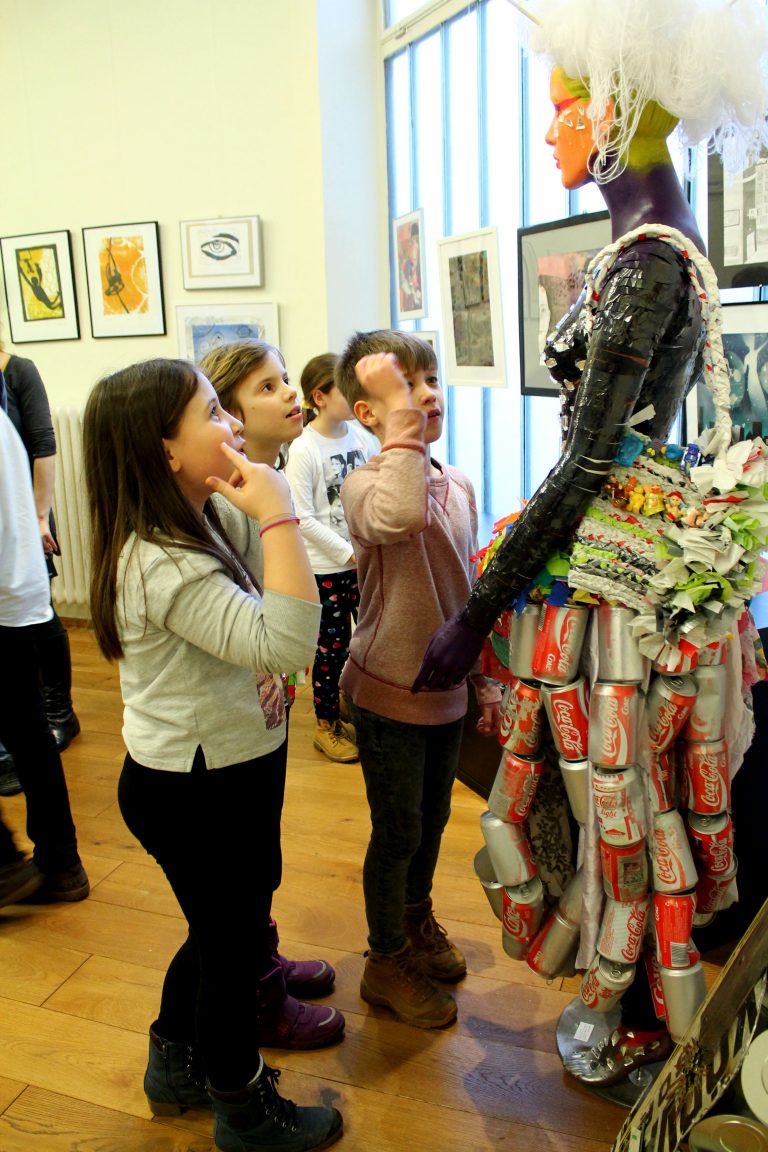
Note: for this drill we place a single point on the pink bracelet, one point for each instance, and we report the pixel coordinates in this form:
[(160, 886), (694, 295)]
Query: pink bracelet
[(277, 523)]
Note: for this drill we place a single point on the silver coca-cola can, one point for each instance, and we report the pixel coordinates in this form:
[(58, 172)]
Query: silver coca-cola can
[(661, 781), (621, 930), (523, 630), (509, 849), (576, 779), (671, 856), (668, 705), (559, 642), (618, 800), (553, 947), (708, 782), (522, 909), (713, 654), (520, 730), (487, 877), (673, 921), (613, 725), (714, 893), (653, 972), (707, 718), (570, 903), (684, 993), (514, 787), (605, 982), (619, 658), (712, 843), (567, 708), (625, 870)]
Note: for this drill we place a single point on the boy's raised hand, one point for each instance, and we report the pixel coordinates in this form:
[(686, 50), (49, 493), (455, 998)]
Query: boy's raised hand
[(382, 379)]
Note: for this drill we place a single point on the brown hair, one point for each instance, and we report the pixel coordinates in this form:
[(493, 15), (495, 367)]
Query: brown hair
[(228, 365), (413, 355), (318, 376)]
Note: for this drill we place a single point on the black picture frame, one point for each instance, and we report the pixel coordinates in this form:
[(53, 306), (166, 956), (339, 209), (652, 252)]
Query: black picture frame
[(737, 227), (40, 288), (569, 243)]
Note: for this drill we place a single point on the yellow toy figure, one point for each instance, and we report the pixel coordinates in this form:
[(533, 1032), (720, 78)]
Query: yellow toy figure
[(636, 498), (654, 501)]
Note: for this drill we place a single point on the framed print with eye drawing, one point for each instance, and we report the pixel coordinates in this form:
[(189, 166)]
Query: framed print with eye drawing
[(222, 253), (40, 287), (199, 328), (125, 288)]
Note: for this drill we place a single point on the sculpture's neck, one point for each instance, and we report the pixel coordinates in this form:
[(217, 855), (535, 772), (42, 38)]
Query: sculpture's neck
[(649, 195)]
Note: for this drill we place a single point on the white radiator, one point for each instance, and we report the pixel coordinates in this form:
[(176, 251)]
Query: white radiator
[(70, 507)]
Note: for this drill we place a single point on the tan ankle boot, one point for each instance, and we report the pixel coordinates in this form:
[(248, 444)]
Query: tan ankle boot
[(394, 980), (332, 741), (435, 953)]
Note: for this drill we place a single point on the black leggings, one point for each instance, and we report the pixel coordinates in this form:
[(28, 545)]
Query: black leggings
[(216, 835)]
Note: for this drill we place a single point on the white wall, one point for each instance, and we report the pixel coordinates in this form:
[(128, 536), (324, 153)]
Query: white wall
[(179, 109)]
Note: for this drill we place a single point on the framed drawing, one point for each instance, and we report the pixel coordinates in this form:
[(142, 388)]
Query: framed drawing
[(745, 343), (552, 260), (407, 239), (40, 287), (125, 289), (470, 298), (200, 328), (737, 237), (222, 253)]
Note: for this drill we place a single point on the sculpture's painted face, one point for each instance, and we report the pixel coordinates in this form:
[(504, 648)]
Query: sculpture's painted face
[(571, 133)]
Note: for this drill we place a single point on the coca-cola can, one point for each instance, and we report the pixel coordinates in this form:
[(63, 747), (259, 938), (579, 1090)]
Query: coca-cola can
[(673, 866), (684, 993), (653, 972), (713, 654), (673, 921), (707, 718), (621, 930), (676, 663), (576, 779), (619, 805), (613, 725), (523, 723), (514, 787), (707, 778), (712, 843), (487, 877), (661, 780), (522, 909), (509, 849), (570, 903), (553, 947), (523, 630), (668, 705), (714, 893), (625, 870), (559, 641), (619, 658), (604, 982), (567, 708)]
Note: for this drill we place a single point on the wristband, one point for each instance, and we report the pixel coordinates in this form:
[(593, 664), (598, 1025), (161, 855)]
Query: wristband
[(277, 523)]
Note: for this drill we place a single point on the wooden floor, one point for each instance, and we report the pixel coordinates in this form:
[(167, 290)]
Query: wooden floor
[(79, 984)]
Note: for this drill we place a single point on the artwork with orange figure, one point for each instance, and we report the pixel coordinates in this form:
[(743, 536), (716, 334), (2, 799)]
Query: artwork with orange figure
[(123, 268), (40, 283)]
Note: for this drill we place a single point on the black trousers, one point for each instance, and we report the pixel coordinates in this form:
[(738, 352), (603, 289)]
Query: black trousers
[(216, 835)]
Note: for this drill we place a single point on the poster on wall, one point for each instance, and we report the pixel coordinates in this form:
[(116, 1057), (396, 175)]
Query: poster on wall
[(222, 253), (202, 328), (407, 238), (470, 298), (745, 344), (40, 287), (125, 289), (737, 211)]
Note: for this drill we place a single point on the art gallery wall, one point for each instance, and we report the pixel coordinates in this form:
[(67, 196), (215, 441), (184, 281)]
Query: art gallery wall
[(116, 113)]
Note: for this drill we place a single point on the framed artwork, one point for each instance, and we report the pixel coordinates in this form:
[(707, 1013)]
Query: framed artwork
[(407, 238), (745, 343), (470, 298), (125, 288), (200, 328), (222, 253), (737, 238), (552, 260), (433, 339), (40, 287)]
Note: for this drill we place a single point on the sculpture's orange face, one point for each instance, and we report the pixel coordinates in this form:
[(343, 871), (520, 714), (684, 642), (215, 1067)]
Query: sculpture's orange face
[(571, 133)]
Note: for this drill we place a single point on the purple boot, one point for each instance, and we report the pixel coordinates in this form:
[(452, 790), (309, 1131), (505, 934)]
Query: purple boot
[(285, 1022), (305, 979)]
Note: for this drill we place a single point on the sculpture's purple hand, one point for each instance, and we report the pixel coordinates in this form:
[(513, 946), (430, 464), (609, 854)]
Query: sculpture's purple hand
[(452, 652)]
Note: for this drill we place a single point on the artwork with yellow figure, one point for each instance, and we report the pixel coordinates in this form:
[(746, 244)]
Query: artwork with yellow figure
[(123, 269), (39, 283)]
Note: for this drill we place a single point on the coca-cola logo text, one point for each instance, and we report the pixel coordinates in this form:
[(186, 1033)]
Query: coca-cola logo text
[(564, 714)]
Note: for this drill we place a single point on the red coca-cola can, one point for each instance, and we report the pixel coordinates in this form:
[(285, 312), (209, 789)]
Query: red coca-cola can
[(509, 849), (523, 630), (677, 663), (570, 903), (514, 787), (713, 654), (618, 800), (712, 843), (559, 641), (673, 921), (604, 982), (567, 708), (553, 947), (684, 993), (661, 780), (523, 723), (619, 659), (621, 930), (668, 705), (653, 972), (625, 870), (613, 725), (522, 909), (673, 866), (707, 718), (576, 779), (714, 893), (708, 783)]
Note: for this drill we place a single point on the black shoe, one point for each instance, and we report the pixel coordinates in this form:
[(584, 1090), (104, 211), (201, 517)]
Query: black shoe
[(18, 880), (68, 886), (64, 726), (9, 781), (259, 1118)]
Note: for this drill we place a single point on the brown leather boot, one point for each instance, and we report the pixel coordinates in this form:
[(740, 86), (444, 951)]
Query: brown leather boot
[(436, 955), (394, 980)]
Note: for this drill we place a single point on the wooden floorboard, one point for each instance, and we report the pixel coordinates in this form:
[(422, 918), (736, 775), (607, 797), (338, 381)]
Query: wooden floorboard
[(79, 984)]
